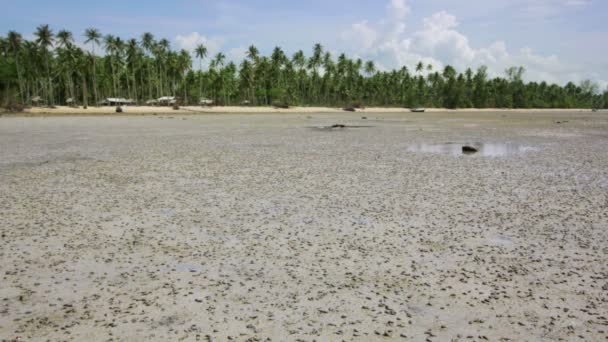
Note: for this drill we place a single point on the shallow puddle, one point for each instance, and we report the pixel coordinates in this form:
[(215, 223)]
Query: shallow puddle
[(483, 149)]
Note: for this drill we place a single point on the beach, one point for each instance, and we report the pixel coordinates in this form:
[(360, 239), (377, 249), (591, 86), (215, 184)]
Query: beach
[(152, 110), (262, 226)]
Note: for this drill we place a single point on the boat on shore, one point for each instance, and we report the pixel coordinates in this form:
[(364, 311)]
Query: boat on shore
[(417, 110)]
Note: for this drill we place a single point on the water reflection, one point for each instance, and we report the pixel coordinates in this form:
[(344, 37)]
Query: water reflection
[(484, 149)]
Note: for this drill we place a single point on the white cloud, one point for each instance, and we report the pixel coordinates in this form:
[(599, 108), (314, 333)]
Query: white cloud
[(439, 42), (398, 8), (191, 41), (578, 2), (360, 35), (238, 54)]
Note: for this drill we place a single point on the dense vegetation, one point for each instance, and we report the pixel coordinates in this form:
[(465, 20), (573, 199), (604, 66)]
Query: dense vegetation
[(54, 69)]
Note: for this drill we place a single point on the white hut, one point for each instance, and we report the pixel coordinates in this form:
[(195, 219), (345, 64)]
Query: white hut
[(167, 100), (117, 101), (206, 102), (36, 100)]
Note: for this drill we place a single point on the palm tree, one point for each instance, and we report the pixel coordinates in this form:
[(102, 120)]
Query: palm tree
[(93, 36), (299, 60), (132, 50), (111, 46), (162, 49), (147, 43), (201, 53), (219, 61), (314, 63), (253, 53), (370, 68), (81, 63), (184, 64), (45, 39), (14, 41), (65, 38)]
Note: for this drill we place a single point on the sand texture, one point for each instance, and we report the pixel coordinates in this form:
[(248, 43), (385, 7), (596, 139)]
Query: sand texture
[(274, 227), (151, 110)]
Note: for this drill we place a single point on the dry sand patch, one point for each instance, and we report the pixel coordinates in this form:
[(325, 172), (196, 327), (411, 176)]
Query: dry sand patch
[(256, 226)]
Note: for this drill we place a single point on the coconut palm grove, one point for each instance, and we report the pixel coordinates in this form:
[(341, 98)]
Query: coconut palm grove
[(52, 70)]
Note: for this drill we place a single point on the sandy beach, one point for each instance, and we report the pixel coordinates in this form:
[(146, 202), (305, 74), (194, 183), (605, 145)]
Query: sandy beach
[(151, 110), (260, 226)]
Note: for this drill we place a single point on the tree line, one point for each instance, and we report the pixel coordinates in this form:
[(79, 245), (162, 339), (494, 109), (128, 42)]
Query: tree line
[(51, 69)]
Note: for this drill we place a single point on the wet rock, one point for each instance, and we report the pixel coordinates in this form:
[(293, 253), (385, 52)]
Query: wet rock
[(466, 149)]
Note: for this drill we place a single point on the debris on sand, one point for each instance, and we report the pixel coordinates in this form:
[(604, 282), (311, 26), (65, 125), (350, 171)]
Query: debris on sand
[(349, 109), (466, 149), (337, 127)]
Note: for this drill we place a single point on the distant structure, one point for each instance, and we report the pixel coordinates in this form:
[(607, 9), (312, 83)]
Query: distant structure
[(206, 102), (36, 100), (166, 100), (117, 101)]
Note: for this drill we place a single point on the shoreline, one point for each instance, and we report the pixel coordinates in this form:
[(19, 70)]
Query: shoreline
[(152, 110)]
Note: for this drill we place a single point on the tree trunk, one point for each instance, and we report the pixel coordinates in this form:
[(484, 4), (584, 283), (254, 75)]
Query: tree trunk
[(95, 77), (85, 101)]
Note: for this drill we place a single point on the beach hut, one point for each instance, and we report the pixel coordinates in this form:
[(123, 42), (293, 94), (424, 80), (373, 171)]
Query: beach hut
[(167, 100), (206, 102), (117, 101), (36, 100)]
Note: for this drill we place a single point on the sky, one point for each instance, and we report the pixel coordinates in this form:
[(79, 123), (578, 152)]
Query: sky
[(555, 40)]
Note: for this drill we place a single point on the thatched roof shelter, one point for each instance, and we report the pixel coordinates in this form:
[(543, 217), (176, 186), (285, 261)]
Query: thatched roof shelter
[(117, 101), (167, 100)]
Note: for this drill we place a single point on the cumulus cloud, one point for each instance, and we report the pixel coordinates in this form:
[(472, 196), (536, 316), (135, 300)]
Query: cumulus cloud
[(578, 2), (191, 41), (399, 8), (439, 42), (360, 35), (237, 54)]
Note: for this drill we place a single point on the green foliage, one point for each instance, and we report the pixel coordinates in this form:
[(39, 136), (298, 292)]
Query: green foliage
[(54, 68)]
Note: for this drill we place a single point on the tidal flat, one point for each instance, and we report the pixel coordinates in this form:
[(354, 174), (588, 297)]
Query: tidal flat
[(256, 227)]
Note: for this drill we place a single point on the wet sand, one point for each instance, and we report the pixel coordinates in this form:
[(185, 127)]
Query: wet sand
[(259, 226)]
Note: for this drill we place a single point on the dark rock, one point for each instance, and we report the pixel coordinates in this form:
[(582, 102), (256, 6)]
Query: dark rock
[(349, 109), (118, 109), (337, 126), (469, 149)]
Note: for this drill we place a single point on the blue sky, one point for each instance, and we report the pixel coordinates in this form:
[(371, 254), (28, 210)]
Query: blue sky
[(556, 40)]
